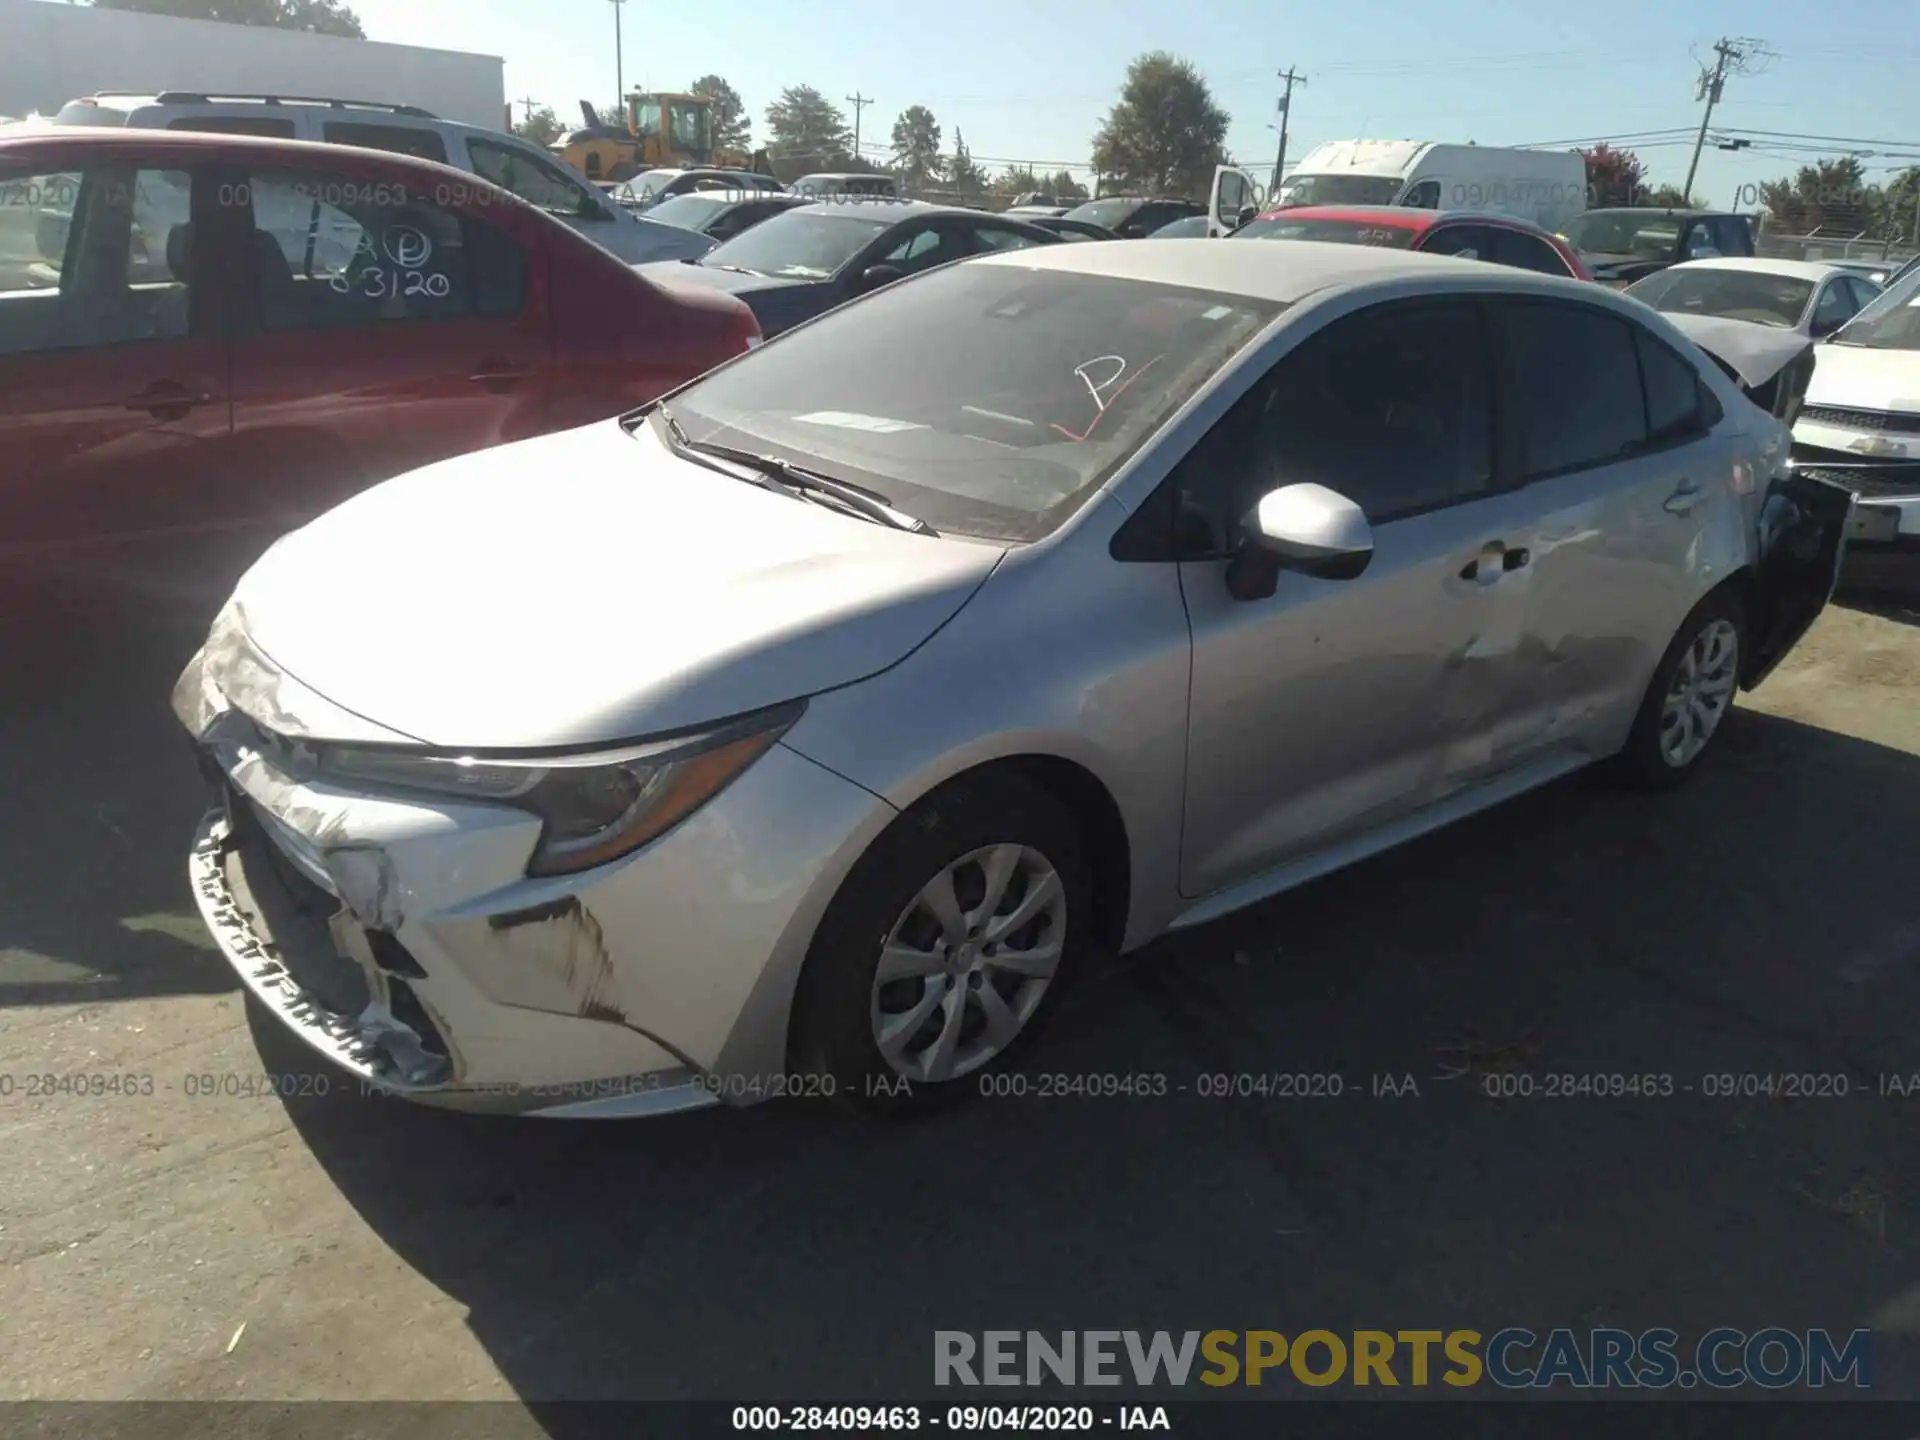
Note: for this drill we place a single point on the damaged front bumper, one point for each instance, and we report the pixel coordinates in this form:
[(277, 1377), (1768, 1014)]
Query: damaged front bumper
[(400, 937)]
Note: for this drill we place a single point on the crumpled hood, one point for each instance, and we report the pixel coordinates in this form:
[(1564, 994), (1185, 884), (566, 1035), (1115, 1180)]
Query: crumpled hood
[(1757, 353), (589, 587), (1867, 379)]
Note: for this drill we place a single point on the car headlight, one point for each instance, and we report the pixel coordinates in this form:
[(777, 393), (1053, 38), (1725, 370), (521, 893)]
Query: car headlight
[(593, 808)]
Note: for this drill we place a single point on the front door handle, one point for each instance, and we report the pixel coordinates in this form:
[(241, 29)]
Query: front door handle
[(1494, 560), (1683, 499)]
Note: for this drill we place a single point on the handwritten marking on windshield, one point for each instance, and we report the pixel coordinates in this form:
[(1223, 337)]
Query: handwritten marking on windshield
[(1104, 393)]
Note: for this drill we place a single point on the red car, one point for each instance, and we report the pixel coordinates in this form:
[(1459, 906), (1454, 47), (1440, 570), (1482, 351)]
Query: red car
[(197, 329), (1503, 239)]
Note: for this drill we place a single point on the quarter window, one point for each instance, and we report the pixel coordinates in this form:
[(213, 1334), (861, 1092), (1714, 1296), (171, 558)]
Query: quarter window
[(95, 258), (1389, 407), (1574, 380), (1679, 405), (534, 180), (397, 139)]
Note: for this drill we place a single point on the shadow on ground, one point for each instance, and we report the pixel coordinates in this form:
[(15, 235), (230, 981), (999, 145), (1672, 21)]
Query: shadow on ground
[(1763, 919)]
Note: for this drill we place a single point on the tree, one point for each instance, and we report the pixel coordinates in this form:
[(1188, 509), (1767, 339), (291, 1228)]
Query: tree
[(1670, 197), (916, 147), (317, 17), (1614, 177), (805, 125), (965, 178), (541, 126), (1017, 180), (1899, 217), (731, 128), (1165, 135), (1064, 188), (1831, 193)]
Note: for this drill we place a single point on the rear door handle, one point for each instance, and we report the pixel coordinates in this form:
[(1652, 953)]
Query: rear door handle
[(498, 376), (1683, 499)]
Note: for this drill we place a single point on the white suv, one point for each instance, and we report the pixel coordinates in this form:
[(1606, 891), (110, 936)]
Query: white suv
[(506, 160)]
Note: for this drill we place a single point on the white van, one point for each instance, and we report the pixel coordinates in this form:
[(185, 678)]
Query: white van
[(1548, 187)]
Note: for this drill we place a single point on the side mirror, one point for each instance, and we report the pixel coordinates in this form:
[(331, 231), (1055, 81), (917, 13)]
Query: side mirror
[(874, 276), (1308, 528), (1247, 215)]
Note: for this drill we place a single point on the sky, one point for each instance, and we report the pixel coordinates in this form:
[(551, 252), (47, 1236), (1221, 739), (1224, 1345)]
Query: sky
[(1030, 80)]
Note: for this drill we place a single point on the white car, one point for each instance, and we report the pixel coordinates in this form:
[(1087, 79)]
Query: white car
[(1860, 424), (508, 161), (1808, 296)]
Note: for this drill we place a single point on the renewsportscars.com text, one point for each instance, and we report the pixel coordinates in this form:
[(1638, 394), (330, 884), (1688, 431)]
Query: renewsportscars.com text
[(1509, 1359)]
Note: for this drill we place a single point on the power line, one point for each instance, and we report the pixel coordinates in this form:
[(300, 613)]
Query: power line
[(1735, 55)]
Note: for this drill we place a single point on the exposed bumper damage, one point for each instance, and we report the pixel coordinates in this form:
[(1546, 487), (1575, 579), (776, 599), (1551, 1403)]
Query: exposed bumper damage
[(399, 936)]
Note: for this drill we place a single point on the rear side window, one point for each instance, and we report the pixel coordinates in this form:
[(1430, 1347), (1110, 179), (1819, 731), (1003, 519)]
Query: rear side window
[(329, 251), (1574, 382), (1527, 252), (1732, 235), (397, 139), (1468, 242), (268, 126)]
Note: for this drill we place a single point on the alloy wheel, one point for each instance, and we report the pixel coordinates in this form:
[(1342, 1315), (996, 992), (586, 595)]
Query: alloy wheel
[(1700, 693), (967, 962)]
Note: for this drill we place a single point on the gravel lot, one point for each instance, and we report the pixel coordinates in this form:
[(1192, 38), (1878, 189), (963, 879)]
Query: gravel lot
[(1765, 919)]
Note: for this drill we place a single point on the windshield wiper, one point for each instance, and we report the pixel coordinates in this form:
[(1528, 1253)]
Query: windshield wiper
[(868, 504)]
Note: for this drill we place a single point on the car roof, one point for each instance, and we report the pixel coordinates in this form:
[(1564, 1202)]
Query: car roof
[(889, 210), (845, 175), (1686, 210), (1760, 264), (60, 144), (1281, 273), (1406, 217)]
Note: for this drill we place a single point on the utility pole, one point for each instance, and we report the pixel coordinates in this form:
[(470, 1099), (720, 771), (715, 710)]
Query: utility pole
[(619, 57), (1728, 55), (528, 101), (859, 102), (1286, 110)]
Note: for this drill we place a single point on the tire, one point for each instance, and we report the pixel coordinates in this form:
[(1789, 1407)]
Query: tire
[(1652, 759), (973, 830)]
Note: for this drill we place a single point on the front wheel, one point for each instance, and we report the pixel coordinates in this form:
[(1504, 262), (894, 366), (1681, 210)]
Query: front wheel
[(1692, 690), (945, 947)]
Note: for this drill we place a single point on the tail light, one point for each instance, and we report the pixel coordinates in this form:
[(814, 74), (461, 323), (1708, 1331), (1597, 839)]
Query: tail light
[(743, 330)]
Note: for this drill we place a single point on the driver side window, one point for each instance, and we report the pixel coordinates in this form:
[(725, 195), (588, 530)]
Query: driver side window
[(1390, 407), (922, 250)]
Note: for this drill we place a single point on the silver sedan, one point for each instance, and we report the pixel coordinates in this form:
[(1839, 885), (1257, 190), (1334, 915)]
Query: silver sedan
[(808, 732)]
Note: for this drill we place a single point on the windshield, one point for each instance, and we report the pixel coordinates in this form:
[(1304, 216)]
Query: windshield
[(687, 120), (84, 112), (649, 183), (1183, 228), (1763, 299), (810, 244), (1339, 189), (1624, 232), (1338, 232), (986, 399), (1108, 214), (1891, 322), (691, 212)]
